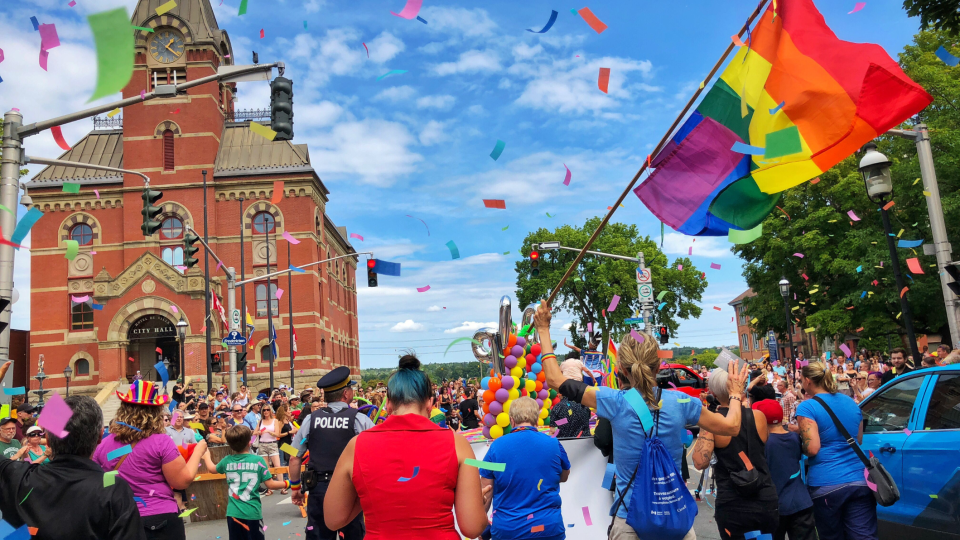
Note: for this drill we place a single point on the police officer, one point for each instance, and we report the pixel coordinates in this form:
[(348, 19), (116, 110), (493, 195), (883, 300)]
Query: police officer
[(325, 433)]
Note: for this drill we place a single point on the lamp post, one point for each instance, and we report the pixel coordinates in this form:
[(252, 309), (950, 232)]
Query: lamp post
[(875, 168), (788, 339), (182, 328), (67, 372)]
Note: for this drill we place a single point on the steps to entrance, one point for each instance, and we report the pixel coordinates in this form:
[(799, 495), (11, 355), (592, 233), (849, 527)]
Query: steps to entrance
[(109, 402)]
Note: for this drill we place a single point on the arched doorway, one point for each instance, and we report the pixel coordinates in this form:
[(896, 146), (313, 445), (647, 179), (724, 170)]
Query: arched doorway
[(153, 338)]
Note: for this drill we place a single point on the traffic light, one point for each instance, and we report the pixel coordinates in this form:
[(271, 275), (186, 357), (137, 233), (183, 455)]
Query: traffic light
[(664, 336), (189, 250), (216, 363), (534, 263), (281, 108), (150, 211), (241, 361), (4, 303), (371, 275), (954, 272)]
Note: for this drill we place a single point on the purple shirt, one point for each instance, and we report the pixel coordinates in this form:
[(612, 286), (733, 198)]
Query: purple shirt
[(143, 471)]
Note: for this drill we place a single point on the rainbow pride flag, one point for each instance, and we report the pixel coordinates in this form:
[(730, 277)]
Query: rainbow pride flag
[(610, 377), (794, 101)]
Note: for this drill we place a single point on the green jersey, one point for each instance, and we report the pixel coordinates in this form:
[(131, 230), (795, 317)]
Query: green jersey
[(10, 449), (244, 473)]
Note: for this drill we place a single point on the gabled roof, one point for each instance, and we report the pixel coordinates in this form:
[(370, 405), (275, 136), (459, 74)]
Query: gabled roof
[(243, 152), (196, 13), (745, 294), (99, 147)]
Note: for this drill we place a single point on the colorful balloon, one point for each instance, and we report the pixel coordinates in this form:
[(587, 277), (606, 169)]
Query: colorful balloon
[(517, 351), (510, 361), (496, 408), (496, 432), (502, 395), (503, 420), (485, 383), (507, 382), (535, 349), (489, 420)]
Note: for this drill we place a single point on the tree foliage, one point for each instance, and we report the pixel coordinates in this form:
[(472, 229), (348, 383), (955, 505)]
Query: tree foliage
[(587, 294), (937, 14), (438, 373), (834, 246)]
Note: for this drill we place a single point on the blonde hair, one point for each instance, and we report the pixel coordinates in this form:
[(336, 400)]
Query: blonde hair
[(821, 376), (524, 410), (638, 364), (148, 419)]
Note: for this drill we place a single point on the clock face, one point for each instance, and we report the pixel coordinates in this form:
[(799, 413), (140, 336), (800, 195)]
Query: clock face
[(166, 46)]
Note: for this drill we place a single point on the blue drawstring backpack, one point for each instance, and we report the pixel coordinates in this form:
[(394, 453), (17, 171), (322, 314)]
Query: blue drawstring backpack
[(661, 506)]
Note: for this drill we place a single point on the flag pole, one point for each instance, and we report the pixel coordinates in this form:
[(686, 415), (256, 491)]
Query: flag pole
[(660, 145)]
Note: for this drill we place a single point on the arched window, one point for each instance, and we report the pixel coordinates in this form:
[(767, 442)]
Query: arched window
[(168, 150), (171, 228), (172, 256), (82, 233), (81, 316), (262, 299), (266, 353), (81, 368), (323, 349), (263, 222)]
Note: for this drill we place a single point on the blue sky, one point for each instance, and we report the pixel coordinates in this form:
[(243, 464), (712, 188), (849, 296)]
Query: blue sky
[(419, 143)]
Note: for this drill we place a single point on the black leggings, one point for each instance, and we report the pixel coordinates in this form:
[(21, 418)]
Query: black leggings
[(164, 527), (733, 523)]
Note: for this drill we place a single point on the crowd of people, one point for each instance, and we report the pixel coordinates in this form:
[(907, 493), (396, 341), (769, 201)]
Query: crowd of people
[(771, 431)]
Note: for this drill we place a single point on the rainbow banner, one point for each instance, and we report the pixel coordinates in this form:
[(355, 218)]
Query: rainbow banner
[(794, 101), (610, 377)]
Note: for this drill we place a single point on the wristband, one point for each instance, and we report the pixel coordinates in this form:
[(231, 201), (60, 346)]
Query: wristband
[(293, 485), (287, 486), (548, 356)]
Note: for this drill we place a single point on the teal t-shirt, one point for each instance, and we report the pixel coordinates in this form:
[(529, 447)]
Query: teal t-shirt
[(10, 449), (244, 473)]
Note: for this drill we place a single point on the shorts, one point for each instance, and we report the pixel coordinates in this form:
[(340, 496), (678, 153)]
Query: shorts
[(619, 530), (268, 449)]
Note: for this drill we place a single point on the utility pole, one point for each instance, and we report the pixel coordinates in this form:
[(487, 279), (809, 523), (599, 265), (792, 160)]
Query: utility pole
[(208, 322), (243, 290), (271, 342), (290, 311), (941, 245)]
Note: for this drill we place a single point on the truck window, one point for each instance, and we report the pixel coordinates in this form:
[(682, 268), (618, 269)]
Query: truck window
[(890, 410), (944, 409)]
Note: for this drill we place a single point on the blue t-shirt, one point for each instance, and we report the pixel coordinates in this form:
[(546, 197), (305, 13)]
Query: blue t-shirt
[(628, 441), (835, 463), (530, 485), (783, 455)]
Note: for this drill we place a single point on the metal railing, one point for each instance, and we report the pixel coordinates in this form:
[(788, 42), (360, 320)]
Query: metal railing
[(248, 114), (105, 122)]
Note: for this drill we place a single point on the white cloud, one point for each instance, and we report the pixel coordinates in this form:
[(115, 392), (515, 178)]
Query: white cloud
[(395, 94), (522, 51), (384, 47), (321, 114), (313, 6), (441, 102), (570, 85), (408, 326), (470, 326), (434, 308), (432, 133), (462, 23), (704, 246), (473, 61), (373, 151)]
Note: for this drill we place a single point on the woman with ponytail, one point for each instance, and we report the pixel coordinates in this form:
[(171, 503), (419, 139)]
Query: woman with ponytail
[(637, 365), (407, 473), (844, 506)]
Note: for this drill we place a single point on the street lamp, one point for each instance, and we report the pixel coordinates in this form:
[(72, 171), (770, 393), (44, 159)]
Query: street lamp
[(182, 327), (875, 168), (67, 372), (788, 339)]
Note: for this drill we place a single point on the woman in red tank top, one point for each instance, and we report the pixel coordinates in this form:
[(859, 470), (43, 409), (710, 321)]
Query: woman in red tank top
[(407, 473)]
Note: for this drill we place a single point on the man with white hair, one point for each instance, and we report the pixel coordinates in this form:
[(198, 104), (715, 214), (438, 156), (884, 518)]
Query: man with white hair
[(788, 400)]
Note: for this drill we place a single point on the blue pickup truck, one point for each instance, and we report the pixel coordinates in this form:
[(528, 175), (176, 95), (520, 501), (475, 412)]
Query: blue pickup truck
[(912, 424)]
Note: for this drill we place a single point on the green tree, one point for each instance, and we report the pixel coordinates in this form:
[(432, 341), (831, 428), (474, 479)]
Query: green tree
[(829, 287), (938, 14), (587, 294)]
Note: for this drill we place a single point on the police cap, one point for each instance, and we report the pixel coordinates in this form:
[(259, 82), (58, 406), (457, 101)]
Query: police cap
[(336, 379)]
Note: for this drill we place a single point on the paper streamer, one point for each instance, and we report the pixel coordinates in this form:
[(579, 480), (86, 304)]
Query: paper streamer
[(277, 191), (459, 340), (298, 270), (553, 19), (745, 237), (496, 467), (742, 148), (914, 265), (17, 391), (561, 421), (909, 243), (364, 46), (857, 7), (119, 452), (166, 7), (73, 247), (109, 478), (603, 82), (852, 215), (421, 221), (289, 238), (421, 19), (186, 513), (454, 252), (55, 415), (613, 303), (410, 10), (592, 20), (114, 43), (778, 107), (357, 236), (798, 255), (423, 289), (566, 179), (498, 149), (279, 293), (416, 471), (947, 58), (715, 266), (80, 299), (495, 203), (58, 137), (392, 72), (846, 350), (263, 131)]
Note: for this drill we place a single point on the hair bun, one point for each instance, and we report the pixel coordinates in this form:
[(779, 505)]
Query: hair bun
[(409, 361)]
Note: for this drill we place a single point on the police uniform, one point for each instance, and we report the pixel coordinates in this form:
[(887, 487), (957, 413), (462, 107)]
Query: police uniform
[(326, 433)]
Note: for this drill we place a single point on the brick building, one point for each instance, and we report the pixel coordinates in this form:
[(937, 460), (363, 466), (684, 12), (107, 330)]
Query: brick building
[(753, 343), (138, 291)]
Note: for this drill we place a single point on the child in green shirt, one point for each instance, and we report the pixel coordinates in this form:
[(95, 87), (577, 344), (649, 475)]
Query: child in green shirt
[(245, 472)]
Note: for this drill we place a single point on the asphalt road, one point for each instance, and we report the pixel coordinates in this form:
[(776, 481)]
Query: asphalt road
[(278, 510)]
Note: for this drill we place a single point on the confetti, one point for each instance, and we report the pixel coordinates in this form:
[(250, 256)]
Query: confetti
[(262, 131), (58, 137), (613, 303), (289, 238), (71, 187), (742, 148), (119, 452), (73, 248), (857, 7), (392, 72), (410, 10), (889, 205), (186, 513), (636, 336), (537, 528), (166, 7), (561, 421), (423, 289), (715, 266), (592, 20), (277, 189), (495, 203), (948, 59), (900, 243), (914, 265), (497, 467), (553, 19), (798, 255), (357, 236), (586, 515), (603, 81), (243, 8), (498, 149), (454, 251), (109, 478), (421, 19), (113, 113), (416, 471), (364, 46), (745, 237)]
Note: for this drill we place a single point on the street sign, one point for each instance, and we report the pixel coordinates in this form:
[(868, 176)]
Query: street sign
[(644, 276), (772, 346), (236, 317), (646, 292), (234, 339), (633, 321)]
